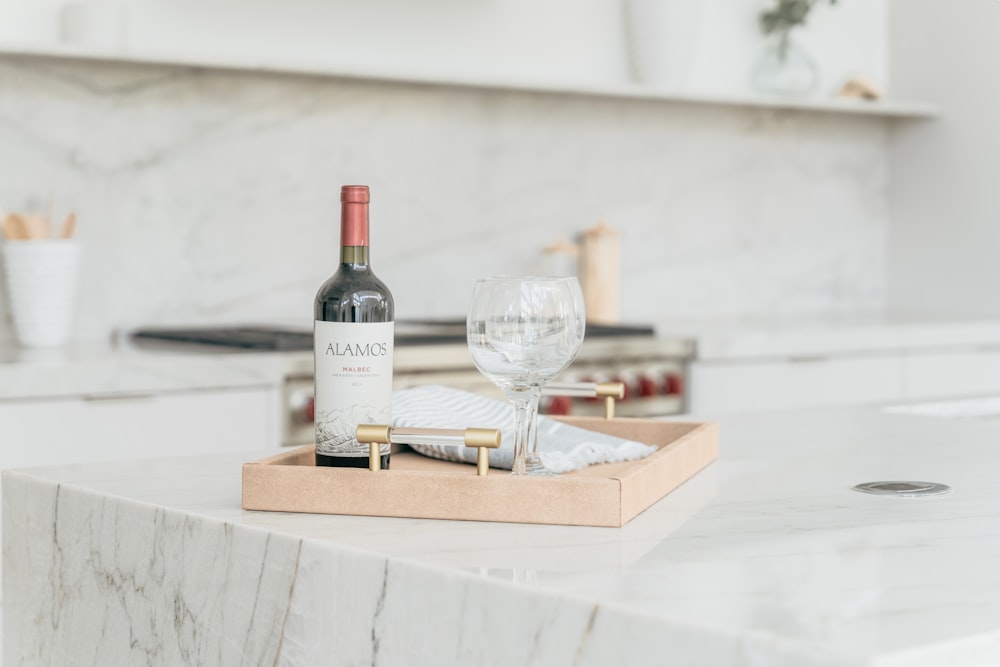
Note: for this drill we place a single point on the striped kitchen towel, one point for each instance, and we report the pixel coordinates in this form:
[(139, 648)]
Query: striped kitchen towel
[(562, 447)]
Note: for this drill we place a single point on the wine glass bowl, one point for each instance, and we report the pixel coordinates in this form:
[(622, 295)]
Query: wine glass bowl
[(522, 332)]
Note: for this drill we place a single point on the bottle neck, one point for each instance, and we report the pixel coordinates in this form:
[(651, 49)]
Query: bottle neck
[(354, 234), (355, 255)]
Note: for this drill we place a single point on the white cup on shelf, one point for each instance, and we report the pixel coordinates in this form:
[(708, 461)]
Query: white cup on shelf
[(42, 278), (662, 37), (93, 23)]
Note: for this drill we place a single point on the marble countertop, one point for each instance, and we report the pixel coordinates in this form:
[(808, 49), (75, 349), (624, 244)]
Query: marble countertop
[(103, 370), (767, 557), (745, 338), (120, 368)]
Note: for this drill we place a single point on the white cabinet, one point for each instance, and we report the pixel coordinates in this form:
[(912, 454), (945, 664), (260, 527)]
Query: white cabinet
[(719, 387), (115, 427), (746, 386), (104, 428)]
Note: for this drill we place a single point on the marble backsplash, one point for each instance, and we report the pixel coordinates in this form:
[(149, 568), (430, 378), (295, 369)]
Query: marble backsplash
[(212, 196)]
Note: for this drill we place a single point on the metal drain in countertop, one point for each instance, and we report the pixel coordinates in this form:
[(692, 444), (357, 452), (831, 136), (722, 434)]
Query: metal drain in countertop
[(904, 489)]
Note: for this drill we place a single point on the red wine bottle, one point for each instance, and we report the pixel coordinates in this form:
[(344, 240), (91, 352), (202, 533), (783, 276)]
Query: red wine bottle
[(353, 336)]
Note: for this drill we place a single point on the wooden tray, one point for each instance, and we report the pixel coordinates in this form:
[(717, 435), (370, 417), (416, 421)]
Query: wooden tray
[(416, 486)]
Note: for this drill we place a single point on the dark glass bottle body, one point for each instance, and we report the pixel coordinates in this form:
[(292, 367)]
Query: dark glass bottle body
[(354, 295)]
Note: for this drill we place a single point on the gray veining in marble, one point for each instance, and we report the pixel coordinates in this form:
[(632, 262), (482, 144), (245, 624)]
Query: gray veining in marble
[(767, 558), (212, 196), (155, 587)]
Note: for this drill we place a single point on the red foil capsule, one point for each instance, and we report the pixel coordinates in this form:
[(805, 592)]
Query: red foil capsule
[(354, 215)]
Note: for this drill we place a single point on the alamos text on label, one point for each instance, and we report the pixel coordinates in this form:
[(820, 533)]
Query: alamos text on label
[(356, 349)]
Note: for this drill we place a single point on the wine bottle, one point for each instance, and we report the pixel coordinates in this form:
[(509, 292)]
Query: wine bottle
[(353, 343)]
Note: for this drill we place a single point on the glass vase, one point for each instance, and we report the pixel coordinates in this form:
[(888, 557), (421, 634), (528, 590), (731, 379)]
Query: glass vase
[(784, 68)]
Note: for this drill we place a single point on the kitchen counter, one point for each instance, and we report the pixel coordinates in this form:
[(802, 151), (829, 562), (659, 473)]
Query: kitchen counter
[(108, 370), (98, 370), (754, 338), (765, 558), (123, 368)]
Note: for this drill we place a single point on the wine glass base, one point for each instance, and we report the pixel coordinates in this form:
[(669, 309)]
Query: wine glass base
[(537, 469)]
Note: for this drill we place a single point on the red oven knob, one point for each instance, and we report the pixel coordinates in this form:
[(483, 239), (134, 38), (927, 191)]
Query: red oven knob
[(648, 386), (309, 410), (559, 405), (675, 383)]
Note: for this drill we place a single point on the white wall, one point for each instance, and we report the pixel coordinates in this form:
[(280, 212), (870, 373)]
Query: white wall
[(211, 196), (552, 38), (945, 201), (564, 39)]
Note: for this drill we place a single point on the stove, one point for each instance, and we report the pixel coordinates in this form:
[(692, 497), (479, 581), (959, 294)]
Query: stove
[(238, 338), (435, 352), (408, 332)]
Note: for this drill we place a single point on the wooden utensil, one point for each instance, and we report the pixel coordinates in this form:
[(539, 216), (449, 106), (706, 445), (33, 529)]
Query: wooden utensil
[(36, 226), (23, 226), (69, 226), (12, 230)]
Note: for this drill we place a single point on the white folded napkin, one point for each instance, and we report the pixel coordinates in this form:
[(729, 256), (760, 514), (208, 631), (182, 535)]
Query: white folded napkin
[(562, 447)]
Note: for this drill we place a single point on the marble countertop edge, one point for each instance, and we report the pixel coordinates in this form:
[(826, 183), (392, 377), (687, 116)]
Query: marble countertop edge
[(767, 555), (741, 639)]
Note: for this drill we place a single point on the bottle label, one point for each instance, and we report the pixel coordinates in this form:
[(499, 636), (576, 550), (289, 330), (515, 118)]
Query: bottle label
[(353, 383)]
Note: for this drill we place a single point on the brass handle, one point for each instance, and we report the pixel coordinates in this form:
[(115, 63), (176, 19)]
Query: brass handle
[(483, 439), (607, 390), (376, 435)]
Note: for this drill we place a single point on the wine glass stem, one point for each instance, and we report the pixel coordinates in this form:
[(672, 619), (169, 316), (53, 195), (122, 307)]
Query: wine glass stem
[(531, 458), (525, 411)]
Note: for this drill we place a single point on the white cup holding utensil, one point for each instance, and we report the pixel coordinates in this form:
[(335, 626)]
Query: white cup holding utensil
[(42, 277)]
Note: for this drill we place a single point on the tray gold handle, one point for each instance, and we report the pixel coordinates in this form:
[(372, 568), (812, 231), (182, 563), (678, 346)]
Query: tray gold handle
[(376, 435), (483, 439), (609, 391)]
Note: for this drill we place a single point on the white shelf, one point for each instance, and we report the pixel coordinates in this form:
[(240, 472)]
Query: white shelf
[(369, 72)]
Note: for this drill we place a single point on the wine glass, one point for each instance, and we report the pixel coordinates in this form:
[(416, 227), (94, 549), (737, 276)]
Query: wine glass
[(522, 333)]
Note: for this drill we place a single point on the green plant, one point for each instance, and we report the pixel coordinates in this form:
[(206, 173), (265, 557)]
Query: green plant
[(787, 14)]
